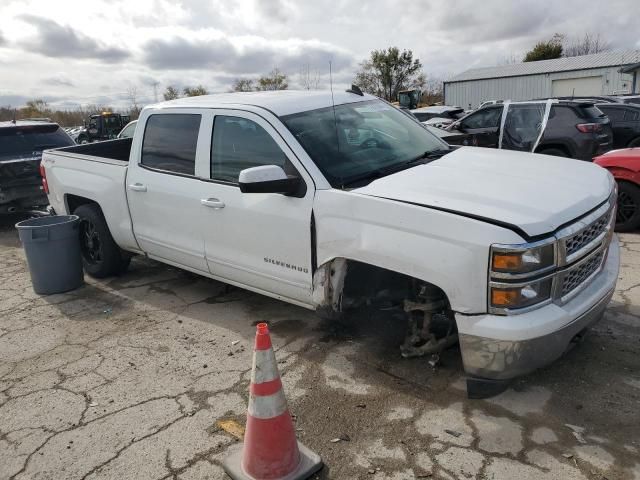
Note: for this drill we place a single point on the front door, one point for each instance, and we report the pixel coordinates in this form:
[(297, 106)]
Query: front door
[(164, 191), (262, 240), (483, 127)]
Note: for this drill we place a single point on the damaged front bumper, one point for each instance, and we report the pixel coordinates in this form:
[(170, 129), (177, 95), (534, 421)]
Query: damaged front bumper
[(497, 348)]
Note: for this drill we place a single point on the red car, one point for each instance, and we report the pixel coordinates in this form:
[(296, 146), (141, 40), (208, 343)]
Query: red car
[(625, 167)]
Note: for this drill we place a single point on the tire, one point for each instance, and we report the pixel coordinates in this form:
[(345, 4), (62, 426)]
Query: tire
[(101, 256), (556, 152), (628, 212), (635, 143), (83, 140)]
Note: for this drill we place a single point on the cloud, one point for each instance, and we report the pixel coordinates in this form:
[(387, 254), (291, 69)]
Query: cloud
[(59, 80), (3, 40), (273, 10), (55, 40), (254, 55)]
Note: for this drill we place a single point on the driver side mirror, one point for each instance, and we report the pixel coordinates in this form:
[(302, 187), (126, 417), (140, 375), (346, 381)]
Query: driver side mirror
[(270, 179)]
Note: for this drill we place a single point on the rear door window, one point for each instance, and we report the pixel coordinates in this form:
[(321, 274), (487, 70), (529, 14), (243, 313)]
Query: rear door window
[(170, 142), (30, 140), (590, 111), (614, 113), (240, 143), (485, 118), (562, 114), (631, 114)]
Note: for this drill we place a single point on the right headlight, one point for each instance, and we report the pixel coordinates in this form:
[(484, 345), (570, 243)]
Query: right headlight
[(522, 259), (511, 297), (520, 276)]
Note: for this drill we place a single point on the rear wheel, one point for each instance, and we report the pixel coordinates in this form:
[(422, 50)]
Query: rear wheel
[(101, 256), (556, 152), (635, 143), (628, 213)]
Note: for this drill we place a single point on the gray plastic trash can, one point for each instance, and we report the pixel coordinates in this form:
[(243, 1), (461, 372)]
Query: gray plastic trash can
[(52, 246)]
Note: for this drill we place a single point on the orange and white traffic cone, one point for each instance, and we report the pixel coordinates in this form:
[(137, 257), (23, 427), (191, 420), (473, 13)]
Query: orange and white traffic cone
[(270, 450)]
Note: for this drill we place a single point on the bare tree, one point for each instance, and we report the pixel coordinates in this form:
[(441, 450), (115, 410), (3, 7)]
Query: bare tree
[(171, 93), (132, 95), (587, 45), (387, 72), (509, 59), (242, 85), (275, 80), (195, 91), (310, 80), (432, 91), (546, 49)]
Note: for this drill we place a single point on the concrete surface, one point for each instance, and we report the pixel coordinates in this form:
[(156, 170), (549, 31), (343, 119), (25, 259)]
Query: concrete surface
[(126, 379)]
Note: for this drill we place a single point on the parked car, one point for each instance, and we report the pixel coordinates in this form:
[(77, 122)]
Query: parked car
[(574, 129), (625, 123), (128, 130), (453, 138), (438, 115), (102, 126), (624, 165), (635, 99), (21, 146), (329, 202), (626, 98)]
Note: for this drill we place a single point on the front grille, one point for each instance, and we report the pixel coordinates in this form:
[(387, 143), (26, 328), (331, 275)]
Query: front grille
[(587, 235), (574, 277)]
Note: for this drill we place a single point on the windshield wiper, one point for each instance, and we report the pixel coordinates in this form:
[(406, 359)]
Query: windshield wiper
[(398, 167), (433, 154)]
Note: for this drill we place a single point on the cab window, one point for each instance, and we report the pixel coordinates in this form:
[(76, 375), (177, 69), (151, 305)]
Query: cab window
[(170, 142), (240, 143)]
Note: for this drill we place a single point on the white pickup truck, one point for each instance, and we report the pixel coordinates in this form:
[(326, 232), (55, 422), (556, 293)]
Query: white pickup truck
[(333, 202)]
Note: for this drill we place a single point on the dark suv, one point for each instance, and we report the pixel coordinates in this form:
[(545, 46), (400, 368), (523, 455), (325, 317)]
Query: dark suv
[(21, 146), (574, 129), (625, 123)]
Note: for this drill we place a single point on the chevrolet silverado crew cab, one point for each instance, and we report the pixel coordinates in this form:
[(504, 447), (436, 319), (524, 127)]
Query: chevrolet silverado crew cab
[(334, 204)]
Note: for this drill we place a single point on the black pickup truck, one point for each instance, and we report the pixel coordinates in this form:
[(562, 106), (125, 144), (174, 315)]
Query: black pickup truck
[(21, 146)]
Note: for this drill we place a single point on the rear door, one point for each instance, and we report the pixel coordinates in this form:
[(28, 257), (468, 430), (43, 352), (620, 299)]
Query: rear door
[(262, 240), (621, 131), (483, 126), (164, 188)]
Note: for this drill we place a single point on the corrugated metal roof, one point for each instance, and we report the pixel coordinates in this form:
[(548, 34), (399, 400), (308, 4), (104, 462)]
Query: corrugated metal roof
[(597, 60)]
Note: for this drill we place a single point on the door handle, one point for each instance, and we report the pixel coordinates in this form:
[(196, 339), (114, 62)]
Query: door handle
[(138, 187), (212, 202)]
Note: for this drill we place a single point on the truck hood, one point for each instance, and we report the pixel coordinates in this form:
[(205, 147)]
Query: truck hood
[(534, 193)]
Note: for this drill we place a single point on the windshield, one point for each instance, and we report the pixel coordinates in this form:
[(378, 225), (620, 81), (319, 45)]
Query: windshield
[(29, 141), (360, 138)]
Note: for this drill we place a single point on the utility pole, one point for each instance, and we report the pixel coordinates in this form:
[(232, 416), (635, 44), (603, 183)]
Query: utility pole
[(155, 91)]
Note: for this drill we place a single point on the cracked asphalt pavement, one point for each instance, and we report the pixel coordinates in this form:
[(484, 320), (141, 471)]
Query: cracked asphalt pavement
[(127, 378)]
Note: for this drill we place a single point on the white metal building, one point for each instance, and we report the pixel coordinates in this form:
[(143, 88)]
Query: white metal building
[(597, 74)]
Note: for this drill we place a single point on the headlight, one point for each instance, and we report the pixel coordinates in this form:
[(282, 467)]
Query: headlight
[(506, 296), (520, 276), (525, 259)]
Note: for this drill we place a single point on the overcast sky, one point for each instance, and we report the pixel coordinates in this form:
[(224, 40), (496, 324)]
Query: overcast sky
[(81, 52)]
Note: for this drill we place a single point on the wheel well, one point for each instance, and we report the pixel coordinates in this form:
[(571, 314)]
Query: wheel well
[(74, 201), (633, 140), (343, 283), (542, 148), (628, 182)]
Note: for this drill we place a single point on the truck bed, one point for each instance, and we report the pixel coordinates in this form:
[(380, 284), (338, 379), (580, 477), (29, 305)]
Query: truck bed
[(94, 172), (111, 149)]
